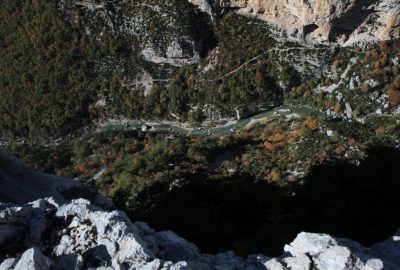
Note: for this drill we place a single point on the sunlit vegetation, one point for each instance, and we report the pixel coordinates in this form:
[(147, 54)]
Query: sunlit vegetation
[(366, 84), (122, 164), (53, 71)]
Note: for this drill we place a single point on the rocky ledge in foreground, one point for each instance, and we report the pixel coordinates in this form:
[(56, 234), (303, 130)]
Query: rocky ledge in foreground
[(46, 234)]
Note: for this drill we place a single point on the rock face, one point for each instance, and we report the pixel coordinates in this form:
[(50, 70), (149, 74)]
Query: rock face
[(20, 184), (79, 235), (166, 32), (321, 21)]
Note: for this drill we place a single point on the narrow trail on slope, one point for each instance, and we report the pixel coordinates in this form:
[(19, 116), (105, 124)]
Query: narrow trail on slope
[(258, 56), (242, 65)]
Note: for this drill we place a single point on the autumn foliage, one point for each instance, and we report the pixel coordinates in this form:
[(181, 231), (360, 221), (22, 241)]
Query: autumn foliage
[(338, 108), (312, 123), (380, 130), (394, 97)]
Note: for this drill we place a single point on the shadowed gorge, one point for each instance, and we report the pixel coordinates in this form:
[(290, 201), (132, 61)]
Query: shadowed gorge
[(357, 202), (200, 134)]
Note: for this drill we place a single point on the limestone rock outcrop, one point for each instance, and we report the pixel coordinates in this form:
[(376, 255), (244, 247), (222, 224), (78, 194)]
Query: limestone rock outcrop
[(80, 235), (166, 32), (21, 184), (321, 21)]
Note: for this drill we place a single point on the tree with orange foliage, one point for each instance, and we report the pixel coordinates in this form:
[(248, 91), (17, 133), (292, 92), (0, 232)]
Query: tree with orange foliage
[(338, 108), (245, 158), (307, 93), (312, 123), (81, 168), (269, 146), (384, 46), (328, 104), (380, 130), (394, 97), (396, 83), (275, 175), (340, 150), (259, 78), (365, 87), (337, 63), (276, 137)]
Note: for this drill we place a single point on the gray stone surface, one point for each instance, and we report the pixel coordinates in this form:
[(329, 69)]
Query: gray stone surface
[(33, 259), (8, 264), (320, 21), (79, 235), (31, 185)]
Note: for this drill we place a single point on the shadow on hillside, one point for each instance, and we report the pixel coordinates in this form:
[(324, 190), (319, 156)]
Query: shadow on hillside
[(351, 19), (357, 202)]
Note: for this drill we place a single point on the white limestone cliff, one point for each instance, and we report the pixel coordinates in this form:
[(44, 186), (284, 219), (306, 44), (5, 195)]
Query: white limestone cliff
[(321, 21), (79, 235)]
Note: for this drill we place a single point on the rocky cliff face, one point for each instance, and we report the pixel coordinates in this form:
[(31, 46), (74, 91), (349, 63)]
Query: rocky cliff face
[(20, 184), (47, 234), (321, 21), (166, 32)]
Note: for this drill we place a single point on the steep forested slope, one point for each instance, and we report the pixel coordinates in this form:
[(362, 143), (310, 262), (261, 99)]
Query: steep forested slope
[(46, 80), (65, 64), (58, 59)]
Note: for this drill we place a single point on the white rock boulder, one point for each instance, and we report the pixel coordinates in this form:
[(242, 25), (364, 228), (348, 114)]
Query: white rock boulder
[(80, 235)]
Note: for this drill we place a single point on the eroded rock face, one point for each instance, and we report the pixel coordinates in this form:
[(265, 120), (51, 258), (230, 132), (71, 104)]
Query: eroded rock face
[(320, 21), (80, 235), (166, 32), (33, 259), (21, 184)]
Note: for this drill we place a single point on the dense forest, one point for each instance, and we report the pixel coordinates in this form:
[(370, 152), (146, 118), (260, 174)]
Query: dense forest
[(55, 64), (46, 80)]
